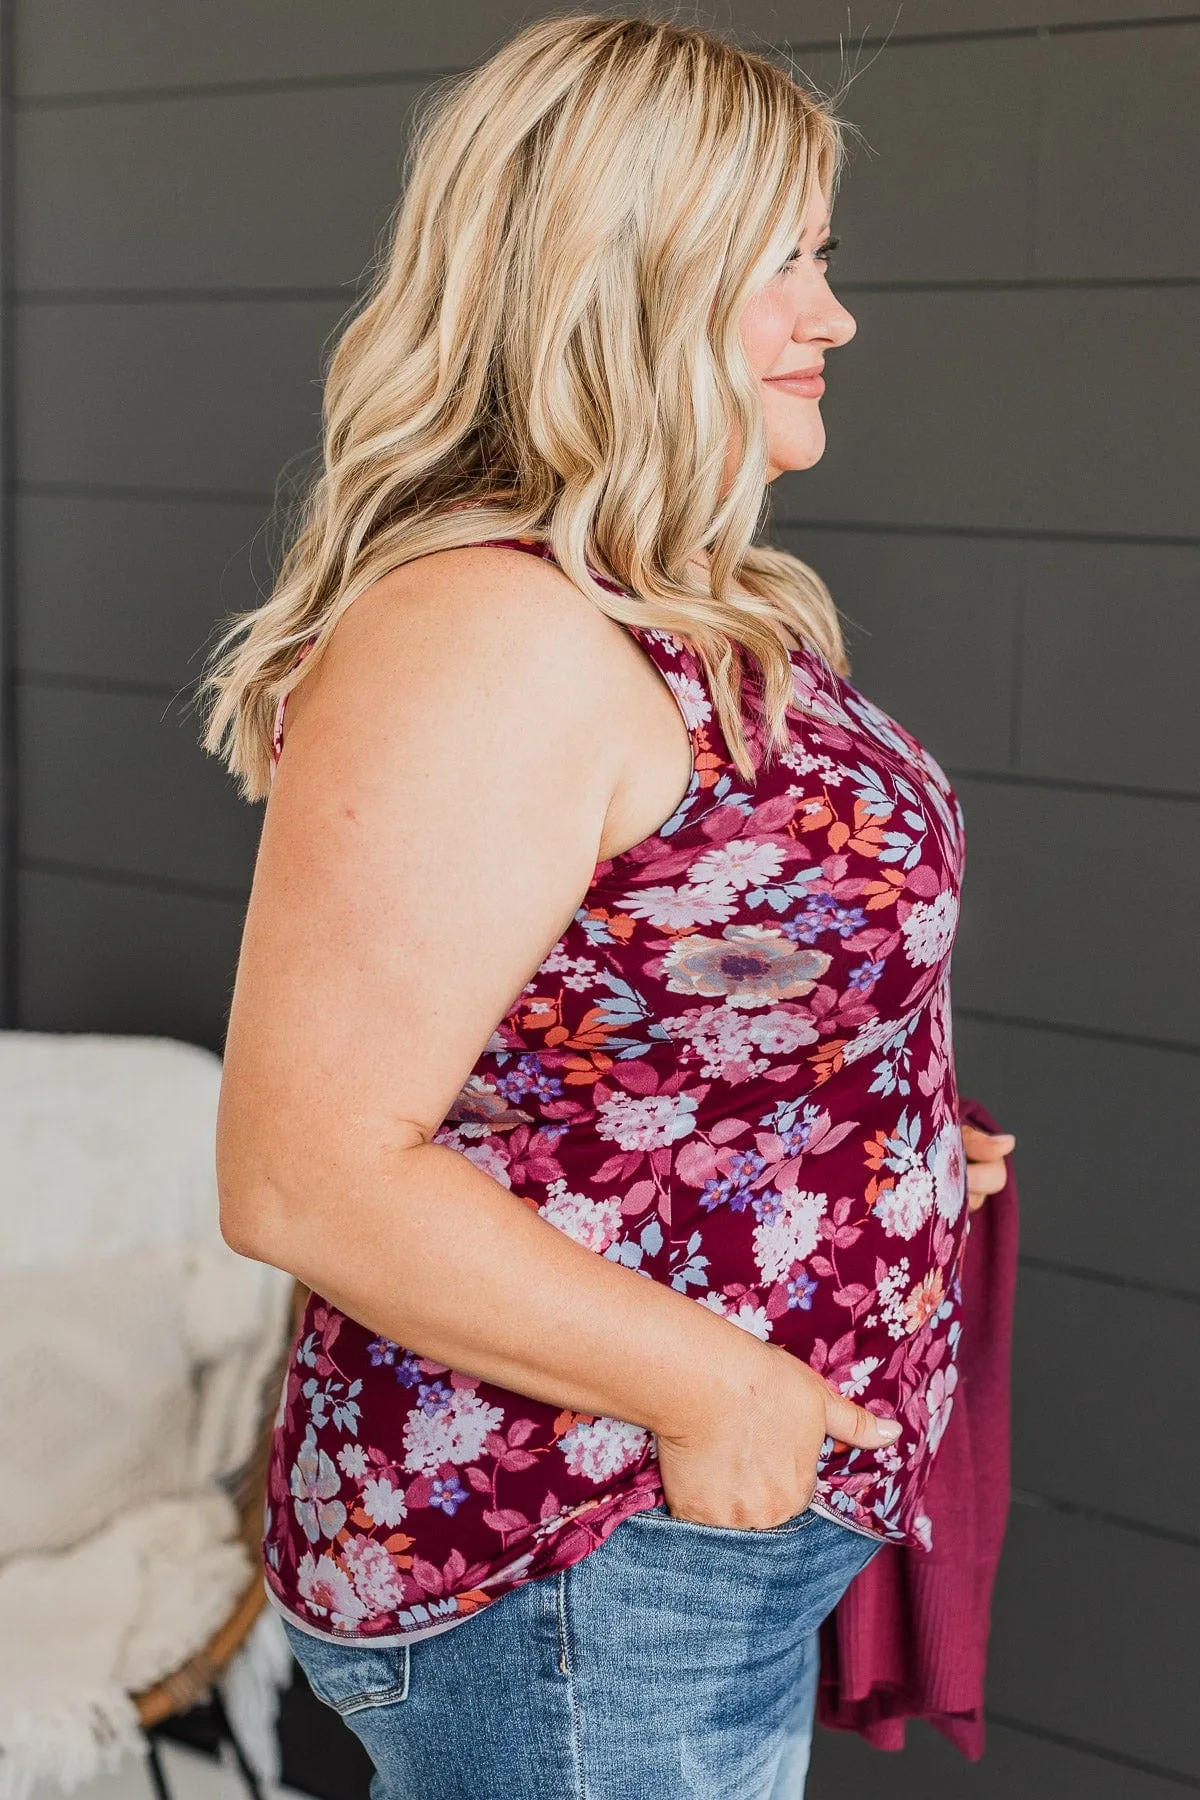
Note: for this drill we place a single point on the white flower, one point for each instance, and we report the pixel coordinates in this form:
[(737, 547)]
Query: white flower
[(645, 1121), (892, 1288), (382, 1502), (752, 1319), (808, 762), (948, 1165), (376, 1579), (905, 1207), (694, 702), (593, 1223), (454, 1435), (929, 930), (721, 1039), (939, 1397), (315, 1484), (779, 1033), (603, 1448), (859, 1376), (681, 907), (352, 1460), (741, 863), (874, 1036), (788, 1232), (715, 1302), (484, 1157), (326, 1589)]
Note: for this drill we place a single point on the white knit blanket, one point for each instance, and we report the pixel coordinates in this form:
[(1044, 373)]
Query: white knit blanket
[(134, 1347)]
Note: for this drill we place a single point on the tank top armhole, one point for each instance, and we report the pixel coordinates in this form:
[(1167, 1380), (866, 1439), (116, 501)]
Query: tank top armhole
[(643, 636), (281, 708)]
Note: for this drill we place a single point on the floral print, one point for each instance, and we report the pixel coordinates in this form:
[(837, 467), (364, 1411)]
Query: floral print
[(733, 1073)]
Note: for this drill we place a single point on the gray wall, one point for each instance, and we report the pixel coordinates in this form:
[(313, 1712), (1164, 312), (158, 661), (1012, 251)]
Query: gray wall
[(1003, 515)]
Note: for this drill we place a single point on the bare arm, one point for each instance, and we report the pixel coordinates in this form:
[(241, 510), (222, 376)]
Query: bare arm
[(437, 813)]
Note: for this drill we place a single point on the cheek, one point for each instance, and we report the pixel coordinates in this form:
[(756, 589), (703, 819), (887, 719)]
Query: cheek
[(765, 330)]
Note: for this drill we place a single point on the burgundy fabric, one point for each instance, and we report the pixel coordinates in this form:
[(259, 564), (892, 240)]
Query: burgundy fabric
[(909, 1639), (733, 1074)]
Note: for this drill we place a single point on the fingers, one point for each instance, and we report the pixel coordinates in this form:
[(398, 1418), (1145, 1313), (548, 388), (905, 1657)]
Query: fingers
[(851, 1424), (984, 1178), (986, 1146)]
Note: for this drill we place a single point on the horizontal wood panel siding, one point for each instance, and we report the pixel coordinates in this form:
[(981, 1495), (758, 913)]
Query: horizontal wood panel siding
[(1005, 514)]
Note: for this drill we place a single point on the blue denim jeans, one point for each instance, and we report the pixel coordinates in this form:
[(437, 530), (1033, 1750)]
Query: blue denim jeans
[(676, 1660)]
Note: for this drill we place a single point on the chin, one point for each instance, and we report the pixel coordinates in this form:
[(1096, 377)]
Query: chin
[(792, 460), (797, 451)]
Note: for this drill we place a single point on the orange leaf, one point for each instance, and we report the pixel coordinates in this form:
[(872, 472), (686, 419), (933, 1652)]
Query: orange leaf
[(839, 833), (473, 1600)]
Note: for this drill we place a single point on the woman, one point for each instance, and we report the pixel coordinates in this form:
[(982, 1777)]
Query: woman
[(589, 1055)]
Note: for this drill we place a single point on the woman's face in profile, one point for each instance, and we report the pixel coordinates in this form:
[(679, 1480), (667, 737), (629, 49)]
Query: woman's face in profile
[(786, 330)]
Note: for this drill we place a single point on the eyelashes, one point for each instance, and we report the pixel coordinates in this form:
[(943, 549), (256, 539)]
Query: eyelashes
[(824, 251)]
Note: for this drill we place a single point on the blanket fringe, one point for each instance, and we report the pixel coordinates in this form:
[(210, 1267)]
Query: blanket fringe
[(68, 1742)]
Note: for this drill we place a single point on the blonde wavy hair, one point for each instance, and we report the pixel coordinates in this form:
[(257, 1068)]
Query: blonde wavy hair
[(549, 349)]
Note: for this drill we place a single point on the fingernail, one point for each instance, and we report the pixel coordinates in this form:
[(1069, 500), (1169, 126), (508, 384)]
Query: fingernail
[(890, 1429)]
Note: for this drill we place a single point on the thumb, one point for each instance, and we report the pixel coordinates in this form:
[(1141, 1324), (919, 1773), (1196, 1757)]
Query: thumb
[(852, 1424)]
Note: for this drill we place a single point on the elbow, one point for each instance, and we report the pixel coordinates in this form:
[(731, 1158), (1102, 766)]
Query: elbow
[(242, 1227), (251, 1220)]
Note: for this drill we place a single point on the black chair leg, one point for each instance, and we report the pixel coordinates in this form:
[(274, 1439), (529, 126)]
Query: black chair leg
[(253, 1785), (158, 1777)]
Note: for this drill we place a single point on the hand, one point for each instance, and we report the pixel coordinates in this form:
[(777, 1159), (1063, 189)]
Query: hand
[(751, 1461), (987, 1171)]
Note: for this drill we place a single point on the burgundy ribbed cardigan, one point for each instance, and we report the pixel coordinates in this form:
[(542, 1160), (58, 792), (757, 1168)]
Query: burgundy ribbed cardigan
[(909, 1638)]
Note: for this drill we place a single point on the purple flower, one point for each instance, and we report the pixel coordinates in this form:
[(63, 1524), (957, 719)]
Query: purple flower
[(448, 1493), (382, 1350), (433, 1398), (794, 1137), (800, 1290), (865, 975), (408, 1374), (823, 913), (768, 1207), (528, 1077)]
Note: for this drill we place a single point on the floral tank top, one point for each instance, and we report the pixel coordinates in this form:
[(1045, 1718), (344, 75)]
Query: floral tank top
[(734, 1073)]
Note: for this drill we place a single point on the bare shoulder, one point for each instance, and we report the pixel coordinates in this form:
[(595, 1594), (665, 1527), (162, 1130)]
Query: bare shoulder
[(509, 627), (470, 662)]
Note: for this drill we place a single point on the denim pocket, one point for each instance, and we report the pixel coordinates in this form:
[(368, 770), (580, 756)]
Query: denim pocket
[(351, 1677), (658, 1515)]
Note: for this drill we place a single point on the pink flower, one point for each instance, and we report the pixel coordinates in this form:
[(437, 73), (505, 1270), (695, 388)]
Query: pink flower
[(748, 965), (326, 1589), (376, 1579), (602, 1448)]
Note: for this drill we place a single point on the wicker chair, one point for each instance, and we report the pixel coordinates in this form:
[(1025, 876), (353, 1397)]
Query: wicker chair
[(195, 1682)]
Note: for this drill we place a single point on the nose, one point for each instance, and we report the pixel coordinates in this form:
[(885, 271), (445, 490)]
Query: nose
[(823, 319)]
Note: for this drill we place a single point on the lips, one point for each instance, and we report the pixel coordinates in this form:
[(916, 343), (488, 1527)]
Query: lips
[(808, 383)]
